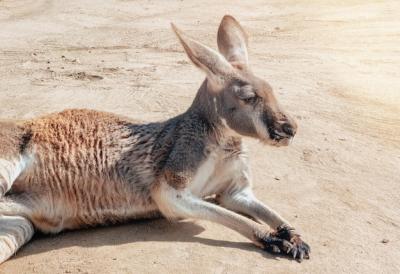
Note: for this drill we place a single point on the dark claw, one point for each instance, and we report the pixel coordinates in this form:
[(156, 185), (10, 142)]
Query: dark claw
[(276, 249), (308, 249), (294, 252), (301, 255), (307, 255), (276, 245), (298, 249), (272, 249)]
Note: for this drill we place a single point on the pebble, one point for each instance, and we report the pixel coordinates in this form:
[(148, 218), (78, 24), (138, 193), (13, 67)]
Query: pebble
[(385, 241)]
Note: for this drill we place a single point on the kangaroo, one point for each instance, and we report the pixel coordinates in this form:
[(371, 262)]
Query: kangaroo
[(81, 168)]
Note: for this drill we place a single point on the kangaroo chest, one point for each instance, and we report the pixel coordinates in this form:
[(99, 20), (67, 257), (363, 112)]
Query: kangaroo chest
[(218, 172)]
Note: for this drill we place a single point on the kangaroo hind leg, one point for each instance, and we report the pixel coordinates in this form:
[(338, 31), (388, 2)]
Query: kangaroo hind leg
[(15, 231), (15, 227)]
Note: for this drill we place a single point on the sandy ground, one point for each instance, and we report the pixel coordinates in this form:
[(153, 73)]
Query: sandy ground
[(335, 66)]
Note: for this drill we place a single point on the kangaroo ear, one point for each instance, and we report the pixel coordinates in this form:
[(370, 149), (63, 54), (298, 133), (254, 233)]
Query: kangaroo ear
[(207, 59), (232, 41)]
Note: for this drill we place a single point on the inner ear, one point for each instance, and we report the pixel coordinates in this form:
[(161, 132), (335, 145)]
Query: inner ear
[(210, 61), (232, 42)]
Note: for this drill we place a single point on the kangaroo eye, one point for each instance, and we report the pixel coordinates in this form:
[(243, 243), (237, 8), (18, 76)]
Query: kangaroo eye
[(245, 93), (249, 100)]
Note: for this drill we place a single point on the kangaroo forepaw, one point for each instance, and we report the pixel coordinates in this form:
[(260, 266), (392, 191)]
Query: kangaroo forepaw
[(274, 244), (285, 241), (299, 249)]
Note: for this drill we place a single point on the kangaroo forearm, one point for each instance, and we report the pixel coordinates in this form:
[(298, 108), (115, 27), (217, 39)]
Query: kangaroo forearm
[(267, 214), (179, 204), (234, 221), (246, 203)]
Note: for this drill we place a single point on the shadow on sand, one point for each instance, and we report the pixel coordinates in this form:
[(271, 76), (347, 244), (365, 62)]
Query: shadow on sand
[(137, 231)]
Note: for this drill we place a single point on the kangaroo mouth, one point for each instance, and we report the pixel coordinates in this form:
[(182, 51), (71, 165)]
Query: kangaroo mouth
[(277, 135), (277, 138), (269, 135)]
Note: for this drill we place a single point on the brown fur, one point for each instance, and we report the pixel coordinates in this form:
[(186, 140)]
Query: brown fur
[(77, 152)]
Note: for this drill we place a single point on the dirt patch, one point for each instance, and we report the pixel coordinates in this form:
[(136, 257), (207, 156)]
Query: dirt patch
[(84, 76)]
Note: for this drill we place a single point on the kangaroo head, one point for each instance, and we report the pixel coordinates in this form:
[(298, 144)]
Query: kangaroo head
[(243, 102)]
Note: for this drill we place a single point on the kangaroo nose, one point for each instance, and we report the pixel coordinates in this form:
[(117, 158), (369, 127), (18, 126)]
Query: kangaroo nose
[(288, 129)]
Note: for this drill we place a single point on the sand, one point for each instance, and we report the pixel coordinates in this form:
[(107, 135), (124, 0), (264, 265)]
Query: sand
[(335, 65)]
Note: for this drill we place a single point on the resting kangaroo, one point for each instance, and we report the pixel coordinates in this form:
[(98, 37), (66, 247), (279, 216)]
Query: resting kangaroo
[(81, 168)]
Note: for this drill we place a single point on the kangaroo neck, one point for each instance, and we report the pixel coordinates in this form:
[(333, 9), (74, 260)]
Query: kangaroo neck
[(205, 105), (205, 109)]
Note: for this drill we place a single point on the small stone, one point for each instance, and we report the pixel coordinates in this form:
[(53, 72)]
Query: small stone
[(384, 241), (277, 178)]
